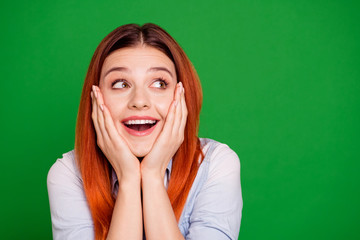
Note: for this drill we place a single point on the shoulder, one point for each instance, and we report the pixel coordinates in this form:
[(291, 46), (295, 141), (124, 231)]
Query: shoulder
[(214, 208), (64, 170), (70, 214), (219, 156)]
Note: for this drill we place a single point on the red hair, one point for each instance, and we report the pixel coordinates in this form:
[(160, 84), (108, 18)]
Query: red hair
[(94, 167)]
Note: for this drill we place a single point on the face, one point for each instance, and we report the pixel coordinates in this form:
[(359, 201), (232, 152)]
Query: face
[(138, 85)]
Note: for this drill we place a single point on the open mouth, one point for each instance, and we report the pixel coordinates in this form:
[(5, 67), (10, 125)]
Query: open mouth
[(140, 125)]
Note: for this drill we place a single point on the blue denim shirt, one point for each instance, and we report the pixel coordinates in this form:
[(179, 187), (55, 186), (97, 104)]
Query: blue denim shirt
[(212, 211)]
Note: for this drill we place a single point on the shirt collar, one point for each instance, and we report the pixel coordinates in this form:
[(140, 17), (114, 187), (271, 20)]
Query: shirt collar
[(114, 179)]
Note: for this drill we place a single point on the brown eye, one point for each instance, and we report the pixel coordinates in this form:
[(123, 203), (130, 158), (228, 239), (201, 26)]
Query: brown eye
[(120, 84), (159, 84)]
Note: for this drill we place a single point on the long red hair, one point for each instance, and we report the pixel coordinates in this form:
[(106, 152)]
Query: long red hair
[(94, 167)]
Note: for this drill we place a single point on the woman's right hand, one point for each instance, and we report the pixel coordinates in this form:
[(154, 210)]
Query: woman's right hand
[(116, 150)]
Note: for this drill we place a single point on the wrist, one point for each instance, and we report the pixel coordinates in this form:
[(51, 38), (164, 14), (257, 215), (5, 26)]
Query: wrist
[(128, 177), (129, 184), (149, 169), (152, 175)]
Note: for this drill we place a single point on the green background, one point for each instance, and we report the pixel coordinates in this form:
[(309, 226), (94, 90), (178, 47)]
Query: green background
[(281, 86)]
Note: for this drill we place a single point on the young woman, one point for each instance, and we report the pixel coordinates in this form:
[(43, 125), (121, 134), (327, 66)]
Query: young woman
[(138, 169)]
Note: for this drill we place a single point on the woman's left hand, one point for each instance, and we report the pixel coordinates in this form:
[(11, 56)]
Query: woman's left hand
[(170, 138)]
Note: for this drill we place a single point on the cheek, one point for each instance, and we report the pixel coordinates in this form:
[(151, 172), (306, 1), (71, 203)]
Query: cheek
[(114, 104), (163, 105)]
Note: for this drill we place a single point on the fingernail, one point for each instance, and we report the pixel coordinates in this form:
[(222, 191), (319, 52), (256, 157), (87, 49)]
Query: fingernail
[(101, 107), (182, 87)]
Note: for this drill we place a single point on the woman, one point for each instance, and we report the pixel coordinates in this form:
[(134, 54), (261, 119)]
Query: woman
[(138, 169)]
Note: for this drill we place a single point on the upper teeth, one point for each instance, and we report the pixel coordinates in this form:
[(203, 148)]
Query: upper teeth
[(140, 122)]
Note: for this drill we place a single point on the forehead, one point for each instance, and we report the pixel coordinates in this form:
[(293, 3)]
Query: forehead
[(138, 58)]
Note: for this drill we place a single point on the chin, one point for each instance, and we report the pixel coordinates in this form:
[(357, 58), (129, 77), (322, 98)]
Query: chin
[(140, 136), (141, 150)]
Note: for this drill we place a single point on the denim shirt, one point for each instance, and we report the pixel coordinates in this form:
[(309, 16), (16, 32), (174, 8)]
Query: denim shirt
[(212, 211)]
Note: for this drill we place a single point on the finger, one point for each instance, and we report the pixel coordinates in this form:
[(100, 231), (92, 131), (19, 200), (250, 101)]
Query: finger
[(169, 122), (184, 113), (100, 114), (94, 118), (110, 126), (178, 111)]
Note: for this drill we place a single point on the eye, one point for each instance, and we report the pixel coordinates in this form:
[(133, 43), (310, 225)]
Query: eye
[(160, 83), (120, 84)]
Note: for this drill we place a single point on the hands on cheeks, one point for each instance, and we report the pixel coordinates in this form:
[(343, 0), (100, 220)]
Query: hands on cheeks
[(116, 149), (170, 138)]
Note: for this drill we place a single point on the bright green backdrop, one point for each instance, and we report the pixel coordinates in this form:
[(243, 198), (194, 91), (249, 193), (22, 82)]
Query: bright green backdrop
[(281, 86)]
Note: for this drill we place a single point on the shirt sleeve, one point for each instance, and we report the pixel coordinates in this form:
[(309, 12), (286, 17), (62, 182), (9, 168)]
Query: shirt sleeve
[(70, 215), (218, 207)]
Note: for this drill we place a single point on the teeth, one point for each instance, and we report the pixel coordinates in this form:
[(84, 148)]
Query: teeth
[(130, 122)]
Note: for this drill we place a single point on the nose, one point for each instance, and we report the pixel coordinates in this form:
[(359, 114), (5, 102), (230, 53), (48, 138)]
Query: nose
[(139, 99)]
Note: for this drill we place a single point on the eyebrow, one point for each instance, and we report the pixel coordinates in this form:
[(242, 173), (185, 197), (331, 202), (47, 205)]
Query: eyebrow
[(121, 69), (155, 69), (124, 69)]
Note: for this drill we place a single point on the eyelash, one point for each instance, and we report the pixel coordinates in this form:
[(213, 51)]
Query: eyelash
[(119, 80), (160, 79)]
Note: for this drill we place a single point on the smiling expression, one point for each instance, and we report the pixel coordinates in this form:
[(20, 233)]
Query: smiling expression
[(138, 85)]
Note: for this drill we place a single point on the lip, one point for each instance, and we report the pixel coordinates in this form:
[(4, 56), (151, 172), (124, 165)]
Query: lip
[(139, 133)]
